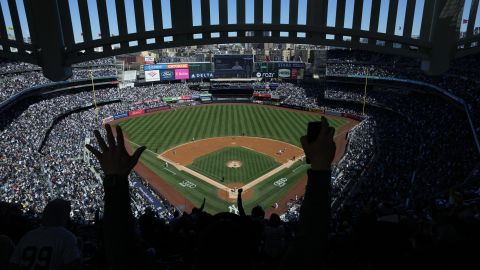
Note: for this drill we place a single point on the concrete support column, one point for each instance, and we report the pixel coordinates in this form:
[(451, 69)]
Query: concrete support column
[(49, 41)]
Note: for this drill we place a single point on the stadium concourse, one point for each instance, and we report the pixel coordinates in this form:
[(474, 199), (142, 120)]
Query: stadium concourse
[(407, 189)]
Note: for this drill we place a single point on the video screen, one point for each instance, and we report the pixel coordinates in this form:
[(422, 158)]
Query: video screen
[(233, 66)]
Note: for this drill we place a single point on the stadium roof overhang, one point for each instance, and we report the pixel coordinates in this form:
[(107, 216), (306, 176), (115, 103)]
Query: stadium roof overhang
[(55, 45)]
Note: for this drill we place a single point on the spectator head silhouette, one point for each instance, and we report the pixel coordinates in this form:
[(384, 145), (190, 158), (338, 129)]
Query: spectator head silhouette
[(258, 212), (275, 220), (56, 213)]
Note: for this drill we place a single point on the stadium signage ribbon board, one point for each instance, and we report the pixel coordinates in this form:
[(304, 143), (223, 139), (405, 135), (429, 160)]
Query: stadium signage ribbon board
[(152, 76), (284, 73), (290, 65), (156, 109), (164, 66)]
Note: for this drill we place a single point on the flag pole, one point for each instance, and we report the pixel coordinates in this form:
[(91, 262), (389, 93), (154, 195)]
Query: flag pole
[(94, 95)]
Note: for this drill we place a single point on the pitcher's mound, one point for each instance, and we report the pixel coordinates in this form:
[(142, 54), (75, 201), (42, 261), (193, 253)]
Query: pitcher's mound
[(234, 164)]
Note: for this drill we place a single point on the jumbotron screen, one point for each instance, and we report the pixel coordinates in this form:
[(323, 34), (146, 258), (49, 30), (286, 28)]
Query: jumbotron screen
[(233, 66)]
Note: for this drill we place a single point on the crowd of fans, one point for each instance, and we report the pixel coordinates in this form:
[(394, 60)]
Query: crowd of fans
[(461, 79), (16, 77), (59, 170)]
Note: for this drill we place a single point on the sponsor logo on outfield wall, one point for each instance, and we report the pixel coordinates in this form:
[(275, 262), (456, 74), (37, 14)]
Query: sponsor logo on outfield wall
[(137, 112), (157, 109), (120, 115)]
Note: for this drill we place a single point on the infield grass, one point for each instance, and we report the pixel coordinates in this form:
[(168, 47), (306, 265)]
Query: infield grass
[(253, 165)]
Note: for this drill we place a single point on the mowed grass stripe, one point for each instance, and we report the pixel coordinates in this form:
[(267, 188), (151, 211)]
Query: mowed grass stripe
[(167, 129)]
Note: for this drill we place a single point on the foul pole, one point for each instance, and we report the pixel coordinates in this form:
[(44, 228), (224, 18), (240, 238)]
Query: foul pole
[(365, 93)]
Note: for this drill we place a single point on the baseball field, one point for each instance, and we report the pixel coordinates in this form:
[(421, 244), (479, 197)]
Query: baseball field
[(210, 151)]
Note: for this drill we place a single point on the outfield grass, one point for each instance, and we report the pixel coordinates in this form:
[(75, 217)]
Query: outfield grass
[(164, 130), (214, 166)]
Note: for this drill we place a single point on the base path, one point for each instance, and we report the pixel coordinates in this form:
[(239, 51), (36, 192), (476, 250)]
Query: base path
[(181, 156), (194, 173), (264, 177), (185, 154)]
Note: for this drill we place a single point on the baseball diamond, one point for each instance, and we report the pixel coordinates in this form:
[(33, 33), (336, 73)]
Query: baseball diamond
[(182, 142), (253, 164)]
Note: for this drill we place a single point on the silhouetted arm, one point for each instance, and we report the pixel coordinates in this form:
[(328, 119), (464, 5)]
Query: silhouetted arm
[(203, 205), (118, 231), (309, 246), (241, 210)]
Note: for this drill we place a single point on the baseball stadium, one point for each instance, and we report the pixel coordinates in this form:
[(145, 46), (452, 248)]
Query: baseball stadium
[(239, 134)]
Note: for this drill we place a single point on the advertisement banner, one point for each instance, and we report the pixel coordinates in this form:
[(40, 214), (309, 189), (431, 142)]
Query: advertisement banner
[(167, 75), (120, 115), (334, 113), (177, 66), (182, 74), (205, 95), (136, 112), (195, 96), (149, 60), (186, 97), (291, 65), (157, 109), (164, 66), (201, 75), (167, 99), (283, 73), (294, 73), (262, 95), (154, 67), (265, 74), (152, 76)]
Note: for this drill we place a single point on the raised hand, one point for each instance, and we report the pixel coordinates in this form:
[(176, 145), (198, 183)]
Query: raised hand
[(114, 158), (321, 151)]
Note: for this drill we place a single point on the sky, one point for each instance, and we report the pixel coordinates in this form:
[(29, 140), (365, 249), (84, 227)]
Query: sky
[(249, 16)]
